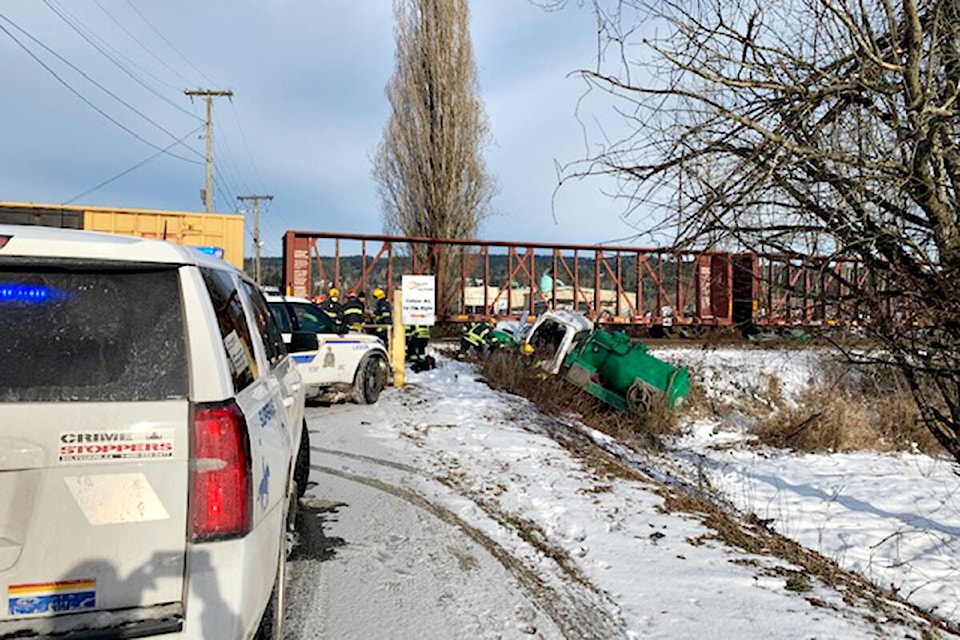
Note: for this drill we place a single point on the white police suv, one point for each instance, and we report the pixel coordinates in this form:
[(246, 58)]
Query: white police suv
[(152, 442), (353, 364)]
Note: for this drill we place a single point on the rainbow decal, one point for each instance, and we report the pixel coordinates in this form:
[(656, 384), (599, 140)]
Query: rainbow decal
[(51, 597)]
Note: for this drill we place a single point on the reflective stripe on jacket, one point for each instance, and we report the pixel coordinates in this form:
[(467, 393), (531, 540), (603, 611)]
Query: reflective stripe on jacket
[(333, 310), (353, 313), (477, 333), (382, 313)]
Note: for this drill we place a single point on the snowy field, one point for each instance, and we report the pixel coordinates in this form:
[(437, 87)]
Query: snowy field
[(603, 556), (895, 519)]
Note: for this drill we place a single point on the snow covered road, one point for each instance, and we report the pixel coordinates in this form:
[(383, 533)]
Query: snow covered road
[(448, 511), (394, 565)]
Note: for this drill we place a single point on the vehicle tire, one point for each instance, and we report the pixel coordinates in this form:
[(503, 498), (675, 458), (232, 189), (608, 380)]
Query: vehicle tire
[(370, 380), (271, 624), (301, 468)]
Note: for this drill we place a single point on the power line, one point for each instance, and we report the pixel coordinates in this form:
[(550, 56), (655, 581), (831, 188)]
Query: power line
[(169, 44), (224, 187), (230, 167), (223, 190), (144, 47), (81, 96), (73, 23), (277, 226), (93, 44), (243, 136), (131, 169), (256, 169)]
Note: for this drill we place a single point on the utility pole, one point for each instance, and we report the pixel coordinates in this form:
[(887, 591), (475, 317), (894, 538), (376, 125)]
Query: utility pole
[(256, 232), (209, 95)]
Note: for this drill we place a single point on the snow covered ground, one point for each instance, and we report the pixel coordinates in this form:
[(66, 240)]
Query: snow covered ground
[(895, 519), (603, 554)]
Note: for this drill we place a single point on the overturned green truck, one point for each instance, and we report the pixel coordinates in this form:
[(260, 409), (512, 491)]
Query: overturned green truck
[(608, 365)]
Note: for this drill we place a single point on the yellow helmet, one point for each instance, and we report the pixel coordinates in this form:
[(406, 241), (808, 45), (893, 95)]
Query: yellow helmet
[(528, 349), (334, 293), (378, 294)]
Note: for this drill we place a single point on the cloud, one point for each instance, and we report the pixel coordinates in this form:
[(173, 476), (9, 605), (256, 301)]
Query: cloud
[(307, 113)]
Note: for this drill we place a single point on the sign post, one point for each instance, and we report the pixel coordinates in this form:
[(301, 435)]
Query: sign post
[(398, 343)]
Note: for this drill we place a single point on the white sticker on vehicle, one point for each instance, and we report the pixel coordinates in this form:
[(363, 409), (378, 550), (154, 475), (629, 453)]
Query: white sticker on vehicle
[(86, 446), (116, 498), (238, 357)]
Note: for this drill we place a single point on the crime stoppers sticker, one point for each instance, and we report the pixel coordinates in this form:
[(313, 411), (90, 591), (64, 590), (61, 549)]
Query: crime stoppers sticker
[(85, 446)]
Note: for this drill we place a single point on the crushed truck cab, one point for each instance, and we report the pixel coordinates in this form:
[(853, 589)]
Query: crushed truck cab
[(608, 365)]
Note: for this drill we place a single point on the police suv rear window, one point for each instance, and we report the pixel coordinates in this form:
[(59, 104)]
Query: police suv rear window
[(91, 333)]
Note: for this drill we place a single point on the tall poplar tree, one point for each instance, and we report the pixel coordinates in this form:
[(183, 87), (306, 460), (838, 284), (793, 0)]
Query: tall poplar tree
[(429, 169)]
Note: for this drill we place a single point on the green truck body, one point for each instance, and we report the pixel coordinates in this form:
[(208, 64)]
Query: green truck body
[(620, 371), (608, 365)]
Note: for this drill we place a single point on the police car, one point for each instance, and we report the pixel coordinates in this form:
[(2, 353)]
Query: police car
[(152, 442), (333, 365)]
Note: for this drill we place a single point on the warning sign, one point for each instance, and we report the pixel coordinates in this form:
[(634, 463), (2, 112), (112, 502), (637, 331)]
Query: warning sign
[(419, 300)]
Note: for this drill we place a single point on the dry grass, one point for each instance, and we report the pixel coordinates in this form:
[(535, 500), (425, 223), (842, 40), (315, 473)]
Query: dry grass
[(851, 408), (519, 375)]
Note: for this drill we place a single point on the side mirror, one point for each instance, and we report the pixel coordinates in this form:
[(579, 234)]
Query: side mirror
[(303, 341)]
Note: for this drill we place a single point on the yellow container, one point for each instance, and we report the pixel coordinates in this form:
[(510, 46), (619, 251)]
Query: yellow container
[(214, 230)]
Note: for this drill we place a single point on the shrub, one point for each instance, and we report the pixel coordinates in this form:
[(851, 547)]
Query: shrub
[(850, 408)]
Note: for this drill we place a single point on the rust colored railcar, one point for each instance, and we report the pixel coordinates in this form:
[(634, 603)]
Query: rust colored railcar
[(610, 284)]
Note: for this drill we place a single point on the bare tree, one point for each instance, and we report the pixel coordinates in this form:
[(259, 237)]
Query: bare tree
[(804, 126), (429, 169)]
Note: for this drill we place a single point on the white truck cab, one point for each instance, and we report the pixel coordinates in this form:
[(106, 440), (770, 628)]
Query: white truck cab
[(554, 335), (152, 441)]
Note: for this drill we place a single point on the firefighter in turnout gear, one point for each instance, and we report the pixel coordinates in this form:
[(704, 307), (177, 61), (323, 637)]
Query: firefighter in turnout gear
[(477, 335), (355, 311), (421, 337), (418, 336), (382, 314), (332, 308), (408, 331)]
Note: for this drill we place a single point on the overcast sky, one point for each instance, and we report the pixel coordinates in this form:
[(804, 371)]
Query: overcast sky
[(307, 114)]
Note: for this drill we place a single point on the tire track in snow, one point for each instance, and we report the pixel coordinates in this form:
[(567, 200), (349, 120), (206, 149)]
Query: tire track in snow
[(528, 530), (573, 609)]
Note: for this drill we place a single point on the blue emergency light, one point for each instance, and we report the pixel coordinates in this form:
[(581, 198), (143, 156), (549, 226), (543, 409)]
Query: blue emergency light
[(216, 252), (28, 293)]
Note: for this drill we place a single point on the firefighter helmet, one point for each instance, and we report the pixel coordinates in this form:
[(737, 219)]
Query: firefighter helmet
[(334, 293), (378, 294)]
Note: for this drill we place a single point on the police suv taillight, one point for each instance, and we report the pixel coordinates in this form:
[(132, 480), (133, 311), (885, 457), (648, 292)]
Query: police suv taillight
[(221, 487)]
